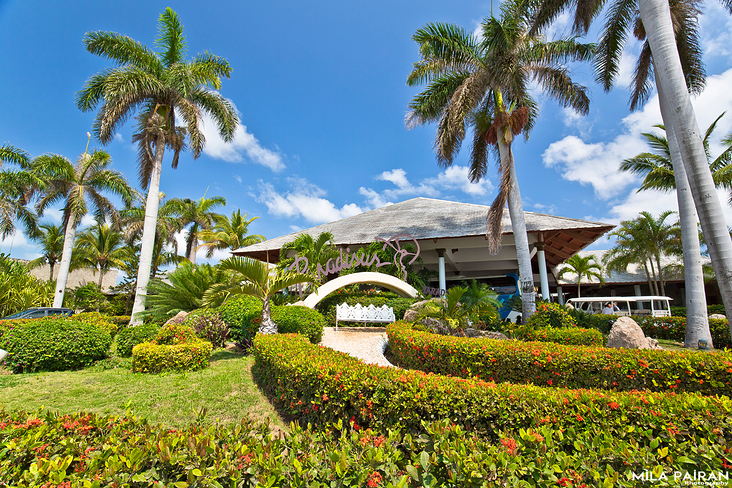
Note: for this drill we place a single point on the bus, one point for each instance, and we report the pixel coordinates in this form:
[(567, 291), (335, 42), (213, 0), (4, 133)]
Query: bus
[(640, 306)]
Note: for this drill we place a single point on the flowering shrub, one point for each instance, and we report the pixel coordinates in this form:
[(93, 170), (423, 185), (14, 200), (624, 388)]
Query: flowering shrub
[(321, 386), (211, 327), (132, 336), (48, 449), (674, 328), (556, 365), (173, 334), (175, 348), (568, 336), (96, 318), (52, 344), (551, 315)]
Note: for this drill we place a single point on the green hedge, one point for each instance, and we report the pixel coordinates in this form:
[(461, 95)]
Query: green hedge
[(126, 451), (598, 321), (98, 319), (561, 366), (244, 315), (52, 344), (320, 386), (149, 357), (327, 306), (569, 336), (674, 328), (132, 336), (681, 311)]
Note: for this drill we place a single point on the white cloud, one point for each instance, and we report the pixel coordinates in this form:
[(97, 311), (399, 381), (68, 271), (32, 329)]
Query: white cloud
[(715, 26), (118, 137), (374, 198), (304, 199), (397, 176), (18, 246), (243, 147), (238, 178), (597, 164)]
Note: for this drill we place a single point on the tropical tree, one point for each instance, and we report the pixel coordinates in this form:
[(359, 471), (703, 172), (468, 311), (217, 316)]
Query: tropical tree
[(251, 277), (183, 289), (228, 233), (672, 53), (159, 86), (484, 83), (102, 248), (19, 290), (456, 314), (583, 267), (196, 216), (51, 239), (16, 188), (317, 250), (79, 187)]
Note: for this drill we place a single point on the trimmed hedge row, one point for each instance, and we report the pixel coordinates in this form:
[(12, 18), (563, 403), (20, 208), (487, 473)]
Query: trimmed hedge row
[(567, 336), (681, 311), (674, 328), (175, 348), (52, 344), (320, 386), (47, 449), (243, 313), (561, 366)]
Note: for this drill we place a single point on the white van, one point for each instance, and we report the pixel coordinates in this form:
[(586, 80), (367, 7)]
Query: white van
[(654, 306)]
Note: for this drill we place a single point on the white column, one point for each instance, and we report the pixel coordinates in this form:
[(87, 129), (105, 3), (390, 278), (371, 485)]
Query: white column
[(560, 295), (637, 290), (542, 270), (441, 271)]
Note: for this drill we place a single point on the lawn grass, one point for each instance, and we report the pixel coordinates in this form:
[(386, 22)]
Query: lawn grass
[(225, 389)]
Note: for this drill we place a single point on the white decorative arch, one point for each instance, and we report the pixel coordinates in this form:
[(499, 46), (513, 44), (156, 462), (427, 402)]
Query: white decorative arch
[(387, 281)]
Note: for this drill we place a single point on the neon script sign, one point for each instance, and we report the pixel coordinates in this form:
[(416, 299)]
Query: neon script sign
[(350, 260)]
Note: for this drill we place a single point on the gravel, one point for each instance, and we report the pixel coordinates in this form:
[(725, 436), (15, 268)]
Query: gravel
[(364, 343)]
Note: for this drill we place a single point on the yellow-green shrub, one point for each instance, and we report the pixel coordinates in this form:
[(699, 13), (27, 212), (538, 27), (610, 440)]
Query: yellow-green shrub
[(155, 358)]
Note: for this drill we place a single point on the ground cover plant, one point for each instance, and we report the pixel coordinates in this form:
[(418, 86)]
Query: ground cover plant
[(556, 365)]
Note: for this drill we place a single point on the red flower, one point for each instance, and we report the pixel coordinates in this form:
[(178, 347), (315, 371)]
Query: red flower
[(613, 405), (510, 445), (374, 480)]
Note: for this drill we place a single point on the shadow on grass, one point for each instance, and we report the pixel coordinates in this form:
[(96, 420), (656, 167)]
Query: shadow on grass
[(226, 354)]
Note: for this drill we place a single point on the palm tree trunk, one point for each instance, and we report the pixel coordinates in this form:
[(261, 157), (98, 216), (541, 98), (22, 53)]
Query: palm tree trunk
[(654, 289), (192, 244), (148, 233), (578, 289), (660, 275), (50, 274), (656, 18), (518, 225), (697, 321), (63, 266), (268, 325), (101, 277)]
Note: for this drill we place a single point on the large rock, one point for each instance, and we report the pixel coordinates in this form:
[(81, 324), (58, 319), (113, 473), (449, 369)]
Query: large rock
[(717, 316), (434, 325), (177, 318), (627, 334)]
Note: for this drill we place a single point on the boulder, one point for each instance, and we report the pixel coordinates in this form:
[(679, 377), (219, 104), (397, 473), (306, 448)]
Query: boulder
[(627, 334), (433, 325), (411, 314), (469, 332), (718, 316), (177, 318)]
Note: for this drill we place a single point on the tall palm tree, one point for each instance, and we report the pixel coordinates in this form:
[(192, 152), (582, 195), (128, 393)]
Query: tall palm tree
[(251, 277), (51, 240), (158, 86), (196, 216), (166, 226), (17, 186), (102, 248), (316, 250), (79, 187), (671, 52), (484, 83), (229, 233), (583, 267)]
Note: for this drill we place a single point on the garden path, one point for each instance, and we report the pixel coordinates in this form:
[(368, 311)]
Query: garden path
[(364, 343)]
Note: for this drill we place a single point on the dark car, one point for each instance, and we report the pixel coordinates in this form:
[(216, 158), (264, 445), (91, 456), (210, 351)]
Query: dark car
[(38, 312)]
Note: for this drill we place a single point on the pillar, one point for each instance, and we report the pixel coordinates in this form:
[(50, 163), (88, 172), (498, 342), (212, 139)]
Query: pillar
[(560, 295), (441, 271), (542, 270)]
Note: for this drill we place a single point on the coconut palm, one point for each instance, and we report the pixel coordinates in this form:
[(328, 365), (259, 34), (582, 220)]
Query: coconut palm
[(228, 233), (671, 52), (251, 277), (196, 216), (166, 226), (102, 248), (159, 86), (17, 186), (79, 187), (484, 83), (51, 240), (583, 267)]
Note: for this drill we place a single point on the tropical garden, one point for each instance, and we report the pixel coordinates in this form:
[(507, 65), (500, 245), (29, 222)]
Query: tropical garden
[(200, 374)]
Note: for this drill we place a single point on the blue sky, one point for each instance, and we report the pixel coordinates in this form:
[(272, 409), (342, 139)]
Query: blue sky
[(321, 91)]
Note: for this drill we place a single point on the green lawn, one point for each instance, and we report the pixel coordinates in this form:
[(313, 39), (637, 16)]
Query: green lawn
[(225, 389)]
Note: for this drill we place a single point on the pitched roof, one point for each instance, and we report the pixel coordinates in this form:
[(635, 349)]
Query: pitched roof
[(428, 218)]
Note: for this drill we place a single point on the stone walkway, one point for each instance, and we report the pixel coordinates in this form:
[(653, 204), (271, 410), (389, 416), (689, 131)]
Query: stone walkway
[(364, 343)]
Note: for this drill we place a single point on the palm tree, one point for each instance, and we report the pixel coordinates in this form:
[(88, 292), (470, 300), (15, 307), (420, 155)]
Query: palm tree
[(456, 314), (101, 248), (158, 86), (197, 216), (166, 226), (316, 250), (671, 52), (79, 186), (228, 233), (16, 188), (251, 277), (51, 240), (583, 267), (484, 83)]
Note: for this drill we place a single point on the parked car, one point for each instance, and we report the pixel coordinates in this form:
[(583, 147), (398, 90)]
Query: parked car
[(38, 312)]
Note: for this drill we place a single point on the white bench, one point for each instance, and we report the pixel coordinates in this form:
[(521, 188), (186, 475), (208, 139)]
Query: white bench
[(359, 313)]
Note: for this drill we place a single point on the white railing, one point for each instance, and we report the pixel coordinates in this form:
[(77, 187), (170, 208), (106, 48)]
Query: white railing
[(359, 313)]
